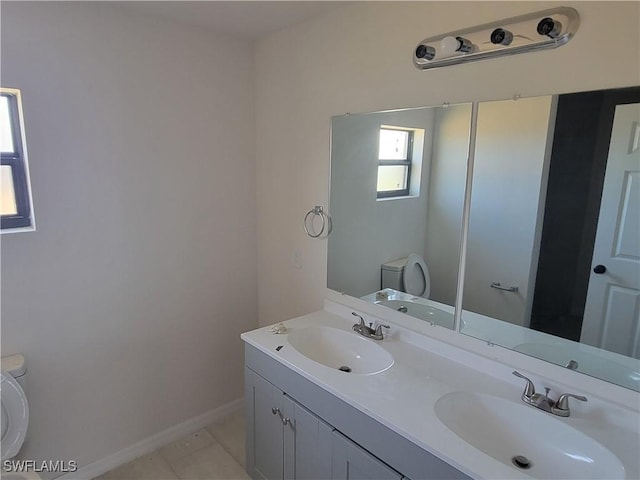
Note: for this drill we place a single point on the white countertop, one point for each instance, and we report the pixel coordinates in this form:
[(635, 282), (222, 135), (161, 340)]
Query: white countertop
[(403, 397)]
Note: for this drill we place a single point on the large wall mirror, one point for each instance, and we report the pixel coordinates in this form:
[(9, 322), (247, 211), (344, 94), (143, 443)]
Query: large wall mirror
[(553, 250)]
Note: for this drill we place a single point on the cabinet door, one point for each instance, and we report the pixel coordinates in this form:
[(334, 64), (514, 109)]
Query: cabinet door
[(308, 444), (265, 447), (351, 462)]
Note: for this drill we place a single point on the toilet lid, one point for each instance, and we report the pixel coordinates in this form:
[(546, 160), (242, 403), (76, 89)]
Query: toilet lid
[(416, 277), (15, 416)]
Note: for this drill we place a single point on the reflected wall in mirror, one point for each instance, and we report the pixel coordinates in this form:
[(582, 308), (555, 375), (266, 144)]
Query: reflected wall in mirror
[(399, 201), (554, 234)]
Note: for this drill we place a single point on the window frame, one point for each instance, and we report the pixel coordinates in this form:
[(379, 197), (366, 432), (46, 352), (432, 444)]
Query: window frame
[(407, 162), (23, 219)]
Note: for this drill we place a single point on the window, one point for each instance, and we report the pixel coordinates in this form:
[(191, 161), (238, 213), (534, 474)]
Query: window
[(394, 162), (15, 194)]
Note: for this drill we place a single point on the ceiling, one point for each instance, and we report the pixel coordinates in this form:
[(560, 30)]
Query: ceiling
[(245, 19)]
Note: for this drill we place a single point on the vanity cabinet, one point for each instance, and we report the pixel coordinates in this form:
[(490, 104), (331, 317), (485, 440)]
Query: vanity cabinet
[(266, 460), (287, 441), (296, 430), (312, 443), (352, 462), (284, 439)]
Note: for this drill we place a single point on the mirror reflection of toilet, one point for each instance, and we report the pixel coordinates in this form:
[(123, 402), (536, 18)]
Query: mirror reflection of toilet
[(15, 413), (409, 274)]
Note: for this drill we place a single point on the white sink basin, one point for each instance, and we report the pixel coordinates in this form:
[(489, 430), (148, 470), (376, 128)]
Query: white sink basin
[(504, 429), (340, 350)]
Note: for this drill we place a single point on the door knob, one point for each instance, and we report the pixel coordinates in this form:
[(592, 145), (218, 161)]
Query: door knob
[(599, 269)]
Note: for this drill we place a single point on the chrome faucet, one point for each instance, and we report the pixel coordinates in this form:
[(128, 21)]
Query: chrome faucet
[(529, 395), (368, 331), (543, 402)]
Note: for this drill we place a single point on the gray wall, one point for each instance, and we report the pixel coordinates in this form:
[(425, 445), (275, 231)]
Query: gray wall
[(129, 299)]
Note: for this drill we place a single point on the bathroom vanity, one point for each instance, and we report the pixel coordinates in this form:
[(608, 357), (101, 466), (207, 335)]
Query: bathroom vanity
[(412, 406), (297, 429), (288, 440)]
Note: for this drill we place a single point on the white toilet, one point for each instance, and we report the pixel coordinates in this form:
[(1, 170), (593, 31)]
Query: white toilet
[(15, 413), (409, 274)]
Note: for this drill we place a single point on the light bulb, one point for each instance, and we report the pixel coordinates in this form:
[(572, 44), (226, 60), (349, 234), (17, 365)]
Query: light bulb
[(450, 46)]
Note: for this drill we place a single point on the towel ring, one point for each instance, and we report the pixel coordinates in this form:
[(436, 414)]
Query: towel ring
[(317, 211)]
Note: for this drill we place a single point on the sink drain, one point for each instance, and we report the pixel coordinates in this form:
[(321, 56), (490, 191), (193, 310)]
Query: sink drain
[(521, 461), (344, 368)]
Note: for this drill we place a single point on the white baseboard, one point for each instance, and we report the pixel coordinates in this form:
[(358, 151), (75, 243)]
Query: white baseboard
[(149, 444)]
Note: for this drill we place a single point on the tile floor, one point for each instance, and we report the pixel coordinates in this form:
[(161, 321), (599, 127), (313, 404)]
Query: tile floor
[(212, 453)]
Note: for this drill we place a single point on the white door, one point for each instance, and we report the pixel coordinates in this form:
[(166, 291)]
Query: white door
[(612, 311)]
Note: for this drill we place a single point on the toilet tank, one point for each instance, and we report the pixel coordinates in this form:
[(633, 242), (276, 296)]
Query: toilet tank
[(15, 366), (392, 274)]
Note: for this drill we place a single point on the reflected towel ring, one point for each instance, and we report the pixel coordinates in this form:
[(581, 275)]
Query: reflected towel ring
[(317, 211)]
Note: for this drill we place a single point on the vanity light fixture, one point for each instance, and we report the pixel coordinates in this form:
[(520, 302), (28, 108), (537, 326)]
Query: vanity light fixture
[(534, 31)]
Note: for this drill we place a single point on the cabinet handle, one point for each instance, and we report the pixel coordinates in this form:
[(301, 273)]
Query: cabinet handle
[(285, 420)]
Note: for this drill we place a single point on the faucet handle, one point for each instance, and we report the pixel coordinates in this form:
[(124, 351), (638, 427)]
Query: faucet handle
[(379, 328), (562, 405), (360, 317), (529, 389)]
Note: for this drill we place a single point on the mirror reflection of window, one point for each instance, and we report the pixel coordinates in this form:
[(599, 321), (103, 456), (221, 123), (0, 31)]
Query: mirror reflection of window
[(394, 162)]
